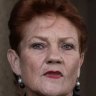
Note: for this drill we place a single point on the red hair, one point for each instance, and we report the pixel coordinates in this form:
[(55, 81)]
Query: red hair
[(26, 10)]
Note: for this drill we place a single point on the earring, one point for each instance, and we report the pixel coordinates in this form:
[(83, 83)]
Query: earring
[(77, 85), (77, 89), (20, 82)]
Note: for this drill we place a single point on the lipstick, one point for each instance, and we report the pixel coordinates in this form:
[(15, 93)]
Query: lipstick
[(53, 74)]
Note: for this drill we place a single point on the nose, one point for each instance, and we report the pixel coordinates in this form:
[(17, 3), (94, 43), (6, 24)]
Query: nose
[(54, 57)]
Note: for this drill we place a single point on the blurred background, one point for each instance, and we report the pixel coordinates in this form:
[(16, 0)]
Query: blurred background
[(87, 9)]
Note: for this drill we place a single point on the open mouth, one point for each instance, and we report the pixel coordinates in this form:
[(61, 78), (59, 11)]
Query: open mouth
[(53, 74)]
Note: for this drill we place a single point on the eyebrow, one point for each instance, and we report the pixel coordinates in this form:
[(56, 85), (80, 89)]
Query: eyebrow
[(39, 37), (46, 39), (67, 38)]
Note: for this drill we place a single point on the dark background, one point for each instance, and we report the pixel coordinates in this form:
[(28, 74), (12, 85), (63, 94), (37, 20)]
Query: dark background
[(87, 9)]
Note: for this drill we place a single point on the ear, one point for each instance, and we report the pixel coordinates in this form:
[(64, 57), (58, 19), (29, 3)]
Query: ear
[(82, 58), (80, 63), (14, 61)]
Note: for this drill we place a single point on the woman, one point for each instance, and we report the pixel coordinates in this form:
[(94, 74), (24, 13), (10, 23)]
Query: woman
[(48, 43)]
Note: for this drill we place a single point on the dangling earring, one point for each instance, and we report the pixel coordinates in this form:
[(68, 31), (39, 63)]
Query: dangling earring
[(77, 89), (20, 82), (77, 85)]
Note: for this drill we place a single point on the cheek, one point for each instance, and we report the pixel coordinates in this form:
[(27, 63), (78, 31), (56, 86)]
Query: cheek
[(30, 69), (72, 65), (27, 64), (71, 71), (74, 68), (31, 64)]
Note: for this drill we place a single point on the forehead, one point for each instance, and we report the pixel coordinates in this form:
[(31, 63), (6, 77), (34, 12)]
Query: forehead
[(50, 24)]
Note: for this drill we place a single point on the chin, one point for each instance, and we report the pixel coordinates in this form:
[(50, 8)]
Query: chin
[(56, 93), (53, 92)]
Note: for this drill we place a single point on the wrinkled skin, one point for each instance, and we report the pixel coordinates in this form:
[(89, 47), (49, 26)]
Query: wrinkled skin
[(50, 44)]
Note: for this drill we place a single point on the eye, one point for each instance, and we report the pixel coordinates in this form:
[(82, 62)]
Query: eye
[(67, 46), (38, 46)]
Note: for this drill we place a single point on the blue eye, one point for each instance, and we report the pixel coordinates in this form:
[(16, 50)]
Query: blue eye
[(38, 46), (66, 46)]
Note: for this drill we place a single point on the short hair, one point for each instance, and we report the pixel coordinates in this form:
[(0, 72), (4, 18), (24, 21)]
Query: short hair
[(26, 10)]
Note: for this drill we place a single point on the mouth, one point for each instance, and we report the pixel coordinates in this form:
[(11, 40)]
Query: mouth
[(53, 74)]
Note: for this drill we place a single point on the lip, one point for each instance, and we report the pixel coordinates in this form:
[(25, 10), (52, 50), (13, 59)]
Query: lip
[(53, 74)]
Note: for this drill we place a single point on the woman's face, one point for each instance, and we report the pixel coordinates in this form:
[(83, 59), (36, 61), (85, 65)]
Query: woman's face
[(49, 61)]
